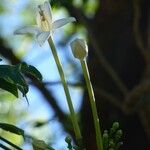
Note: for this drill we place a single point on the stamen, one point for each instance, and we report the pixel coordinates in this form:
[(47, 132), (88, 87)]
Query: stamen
[(44, 23), (41, 13)]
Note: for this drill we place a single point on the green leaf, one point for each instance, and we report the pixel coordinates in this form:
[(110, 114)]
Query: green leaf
[(112, 139), (105, 140), (31, 70), (12, 88), (12, 75), (68, 140), (40, 145), (12, 128), (12, 78)]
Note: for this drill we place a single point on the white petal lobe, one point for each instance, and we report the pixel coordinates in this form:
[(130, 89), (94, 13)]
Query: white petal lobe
[(27, 30), (48, 12), (38, 19), (61, 22), (42, 37)]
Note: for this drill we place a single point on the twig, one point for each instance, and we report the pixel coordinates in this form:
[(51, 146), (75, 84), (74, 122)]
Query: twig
[(110, 98), (134, 99), (51, 83), (137, 35), (103, 61), (113, 100), (145, 119)]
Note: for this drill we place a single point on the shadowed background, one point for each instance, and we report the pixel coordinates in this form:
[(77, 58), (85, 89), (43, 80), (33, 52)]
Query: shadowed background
[(118, 35)]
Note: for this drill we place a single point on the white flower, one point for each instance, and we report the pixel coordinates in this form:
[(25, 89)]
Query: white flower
[(79, 48), (45, 24)]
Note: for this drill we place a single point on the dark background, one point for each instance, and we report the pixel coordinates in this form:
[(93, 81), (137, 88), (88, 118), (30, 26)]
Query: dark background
[(118, 34)]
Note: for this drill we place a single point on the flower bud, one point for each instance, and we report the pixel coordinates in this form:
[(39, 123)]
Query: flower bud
[(115, 125), (79, 48)]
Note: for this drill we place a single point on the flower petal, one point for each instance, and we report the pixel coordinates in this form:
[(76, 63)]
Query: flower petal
[(48, 12), (28, 30), (61, 22), (42, 37)]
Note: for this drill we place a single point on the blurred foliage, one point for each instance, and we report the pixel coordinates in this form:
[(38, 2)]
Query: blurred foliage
[(12, 129), (10, 114), (40, 145), (113, 34), (112, 139), (12, 79)]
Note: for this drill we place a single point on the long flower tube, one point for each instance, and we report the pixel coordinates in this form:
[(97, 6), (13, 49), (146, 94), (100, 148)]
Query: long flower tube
[(43, 32), (66, 89)]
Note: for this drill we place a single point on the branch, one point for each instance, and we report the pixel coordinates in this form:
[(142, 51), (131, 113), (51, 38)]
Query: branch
[(136, 30), (145, 119), (113, 100), (51, 83), (135, 98), (77, 13), (106, 65)]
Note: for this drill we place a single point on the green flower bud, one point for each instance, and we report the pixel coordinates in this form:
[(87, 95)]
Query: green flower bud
[(119, 145), (119, 134), (115, 125), (111, 144), (68, 139), (79, 48), (105, 140)]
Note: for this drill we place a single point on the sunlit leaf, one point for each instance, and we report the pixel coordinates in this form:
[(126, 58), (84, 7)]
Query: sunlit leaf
[(13, 76), (12, 128), (12, 88), (31, 70)]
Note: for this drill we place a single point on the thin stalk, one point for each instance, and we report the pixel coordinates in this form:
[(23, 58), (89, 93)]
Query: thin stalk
[(93, 105), (66, 89)]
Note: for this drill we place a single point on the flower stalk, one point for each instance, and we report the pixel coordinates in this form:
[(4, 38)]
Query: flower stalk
[(80, 51), (45, 26), (93, 104), (66, 89)]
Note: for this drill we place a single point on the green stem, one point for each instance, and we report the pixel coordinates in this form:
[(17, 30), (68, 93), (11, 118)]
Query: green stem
[(93, 105), (65, 86)]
